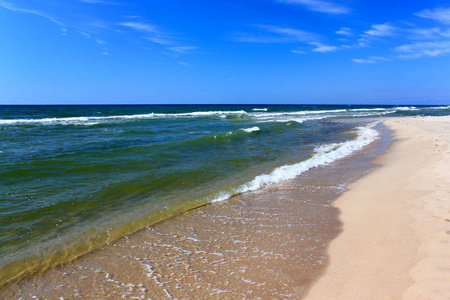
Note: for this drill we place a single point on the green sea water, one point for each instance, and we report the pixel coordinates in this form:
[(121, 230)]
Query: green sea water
[(73, 178)]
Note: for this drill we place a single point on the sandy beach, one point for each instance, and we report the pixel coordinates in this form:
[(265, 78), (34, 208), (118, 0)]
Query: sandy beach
[(395, 242)]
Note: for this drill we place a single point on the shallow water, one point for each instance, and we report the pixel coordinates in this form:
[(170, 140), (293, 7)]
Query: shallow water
[(269, 243)]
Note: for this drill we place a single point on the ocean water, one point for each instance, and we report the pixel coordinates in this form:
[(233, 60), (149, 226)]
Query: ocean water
[(74, 178)]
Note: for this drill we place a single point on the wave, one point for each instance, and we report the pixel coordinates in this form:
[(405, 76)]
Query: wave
[(367, 109), (371, 114), (237, 134), (249, 130), (260, 109), (438, 107), (94, 120), (297, 113), (322, 149), (325, 154), (406, 108)]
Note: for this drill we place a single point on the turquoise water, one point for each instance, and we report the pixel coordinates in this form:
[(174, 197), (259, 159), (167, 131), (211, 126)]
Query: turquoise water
[(75, 177)]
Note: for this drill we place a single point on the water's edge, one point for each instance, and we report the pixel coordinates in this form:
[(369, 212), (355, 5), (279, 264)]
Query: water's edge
[(363, 156), (386, 142)]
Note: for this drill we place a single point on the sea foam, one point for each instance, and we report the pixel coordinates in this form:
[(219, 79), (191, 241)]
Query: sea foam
[(249, 130), (324, 155), (93, 120)]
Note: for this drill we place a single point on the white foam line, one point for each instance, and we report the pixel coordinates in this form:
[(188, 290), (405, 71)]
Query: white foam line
[(366, 135), (367, 109), (371, 114), (406, 108), (437, 107), (291, 119), (296, 113), (96, 120)]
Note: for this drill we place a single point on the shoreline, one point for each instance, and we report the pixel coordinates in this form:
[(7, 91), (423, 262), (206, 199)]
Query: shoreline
[(266, 243), (396, 229)]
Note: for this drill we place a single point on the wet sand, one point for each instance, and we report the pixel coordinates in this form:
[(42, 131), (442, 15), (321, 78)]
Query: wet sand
[(267, 244), (395, 242)]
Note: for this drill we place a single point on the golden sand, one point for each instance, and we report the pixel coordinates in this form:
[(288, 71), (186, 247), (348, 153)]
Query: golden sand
[(396, 238)]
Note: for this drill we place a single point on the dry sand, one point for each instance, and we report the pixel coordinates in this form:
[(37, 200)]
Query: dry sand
[(396, 238)]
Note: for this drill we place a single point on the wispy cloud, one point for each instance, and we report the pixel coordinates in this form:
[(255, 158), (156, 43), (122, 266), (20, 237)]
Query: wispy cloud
[(292, 33), (430, 49), (100, 2), (16, 9), (100, 42), (85, 34), (320, 6), (149, 31), (286, 35), (344, 31), (371, 60), (159, 40), (438, 14), (381, 30), (323, 48), (183, 49), (368, 37), (275, 34), (429, 33), (97, 40), (141, 26)]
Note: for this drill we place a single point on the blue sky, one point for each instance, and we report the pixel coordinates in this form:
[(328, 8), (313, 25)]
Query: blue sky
[(234, 51)]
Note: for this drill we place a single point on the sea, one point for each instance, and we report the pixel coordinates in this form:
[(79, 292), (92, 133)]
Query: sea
[(76, 178)]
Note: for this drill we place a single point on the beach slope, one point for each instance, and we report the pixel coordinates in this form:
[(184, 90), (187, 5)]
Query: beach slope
[(395, 242)]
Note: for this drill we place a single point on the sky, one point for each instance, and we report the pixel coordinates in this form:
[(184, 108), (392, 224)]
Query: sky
[(225, 52)]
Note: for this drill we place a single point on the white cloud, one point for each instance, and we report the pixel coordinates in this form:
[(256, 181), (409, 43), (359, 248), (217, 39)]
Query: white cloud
[(344, 31), (359, 43), (381, 30), (291, 33), (298, 52), (85, 34), (323, 48), (371, 60), (100, 2), (184, 63), (416, 50), (429, 33), (159, 40), (438, 14), (100, 42), (320, 6), (16, 9), (363, 61), (379, 58), (182, 49), (150, 32), (140, 26), (276, 34)]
